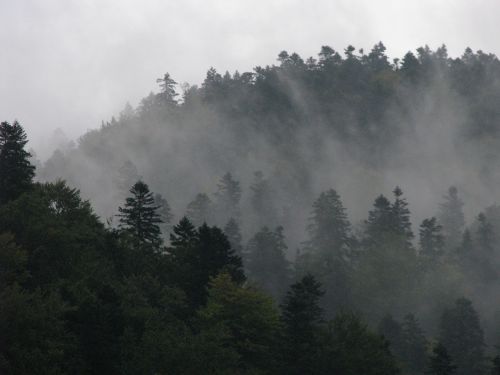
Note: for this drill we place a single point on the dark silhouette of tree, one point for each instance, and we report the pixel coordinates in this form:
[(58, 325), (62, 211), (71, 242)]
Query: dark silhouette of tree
[(266, 263), (302, 316), (16, 171), (139, 216), (414, 349), (440, 362), (462, 336), (431, 240), (167, 86)]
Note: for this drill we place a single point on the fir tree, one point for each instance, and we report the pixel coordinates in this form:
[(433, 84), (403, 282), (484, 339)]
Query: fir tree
[(16, 171), (199, 211), (227, 198), (266, 262), (414, 345), (233, 234), (440, 362), (402, 223), (139, 216), (463, 337), (302, 316), (451, 217), (431, 240)]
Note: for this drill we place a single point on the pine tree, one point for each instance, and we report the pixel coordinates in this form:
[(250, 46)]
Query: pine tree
[(16, 171), (266, 262), (164, 212), (431, 240), (227, 199), (199, 211), (302, 316), (198, 255), (261, 200), (329, 249), (140, 217), (451, 217), (414, 345), (401, 214), (440, 362), (463, 337), (167, 86), (485, 249), (380, 220), (233, 234)]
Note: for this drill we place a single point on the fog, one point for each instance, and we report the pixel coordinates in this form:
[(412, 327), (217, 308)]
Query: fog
[(72, 64)]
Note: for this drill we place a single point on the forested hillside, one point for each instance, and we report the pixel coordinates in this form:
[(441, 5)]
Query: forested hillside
[(333, 215)]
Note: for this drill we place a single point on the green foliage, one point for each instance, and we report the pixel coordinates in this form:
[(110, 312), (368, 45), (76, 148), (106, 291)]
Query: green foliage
[(440, 362), (251, 320), (463, 337), (16, 171), (139, 216)]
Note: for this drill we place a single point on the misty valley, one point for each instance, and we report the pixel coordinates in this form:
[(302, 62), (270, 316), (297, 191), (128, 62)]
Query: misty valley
[(330, 215)]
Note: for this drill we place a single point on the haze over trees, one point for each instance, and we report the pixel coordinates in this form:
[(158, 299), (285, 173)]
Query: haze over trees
[(229, 246)]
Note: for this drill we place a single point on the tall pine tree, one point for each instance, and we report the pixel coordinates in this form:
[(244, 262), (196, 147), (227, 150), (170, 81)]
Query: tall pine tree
[(16, 171)]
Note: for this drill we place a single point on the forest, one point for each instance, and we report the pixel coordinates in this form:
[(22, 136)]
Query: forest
[(334, 215)]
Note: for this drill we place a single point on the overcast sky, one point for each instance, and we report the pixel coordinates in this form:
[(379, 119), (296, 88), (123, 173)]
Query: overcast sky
[(70, 64)]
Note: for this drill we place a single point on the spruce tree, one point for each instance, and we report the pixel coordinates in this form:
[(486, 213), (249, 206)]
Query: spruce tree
[(139, 216), (431, 240), (414, 345), (402, 223), (452, 219), (16, 171), (227, 199), (199, 210), (266, 263), (462, 335), (440, 362), (302, 316), (233, 234)]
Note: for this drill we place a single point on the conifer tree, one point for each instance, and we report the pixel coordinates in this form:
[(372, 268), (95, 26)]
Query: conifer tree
[(392, 331), (139, 216), (167, 86), (414, 345), (451, 217), (440, 362), (16, 171), (431, 240), (380, 219), (495, 370), (233, 234), (164, 212), (463, 337), (261, 201), (227, 198), (302, 316), (402, 223), (266, 262), (199, 211)]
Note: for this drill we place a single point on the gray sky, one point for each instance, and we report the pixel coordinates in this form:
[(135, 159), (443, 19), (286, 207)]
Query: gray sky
[(70, 64)]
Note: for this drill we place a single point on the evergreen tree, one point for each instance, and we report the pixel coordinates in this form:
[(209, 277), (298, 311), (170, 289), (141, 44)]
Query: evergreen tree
[(16, 171), (451, 217), (431, 240), (167, 86), (401, 214), (414, 345), (328, 252), (495, 370), (302, 316), (440, 362), (380, 220), (199, 211), (198, 255), (233, 234), (164, 213), (227, 198), (392, 331), (139, 216), (462, 335), (266, 262), (261, 201)]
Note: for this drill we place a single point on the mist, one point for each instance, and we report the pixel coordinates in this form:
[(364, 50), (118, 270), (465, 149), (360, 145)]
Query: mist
[(346, 147)]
